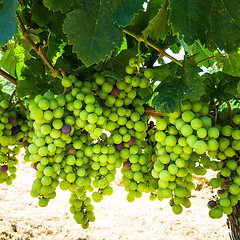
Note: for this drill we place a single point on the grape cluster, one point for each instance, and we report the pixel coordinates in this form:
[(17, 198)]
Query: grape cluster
[(190, 141), (13, 133), (226, 155), (78, 139), (185, 140), (127, 126)]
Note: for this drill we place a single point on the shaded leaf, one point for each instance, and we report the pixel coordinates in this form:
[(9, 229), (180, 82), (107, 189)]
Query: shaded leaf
[(189, 18), (125, 10), (115, 67), (221, 86), (58, 5), (182, 83), (36, 81), (158, 28), (8, 20), (91, 31)]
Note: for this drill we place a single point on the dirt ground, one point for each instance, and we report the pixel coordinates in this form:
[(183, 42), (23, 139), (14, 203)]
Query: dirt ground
[(22, 219)]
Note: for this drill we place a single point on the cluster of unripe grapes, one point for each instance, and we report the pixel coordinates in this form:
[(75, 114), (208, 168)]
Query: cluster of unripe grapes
[(13, 133), (190, 141), (78, 139)]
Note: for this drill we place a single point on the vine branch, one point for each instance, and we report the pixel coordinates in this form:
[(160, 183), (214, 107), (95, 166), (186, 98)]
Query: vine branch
[(215, 56), (230, 113), (37, 50), (8, 77), (161, 52)]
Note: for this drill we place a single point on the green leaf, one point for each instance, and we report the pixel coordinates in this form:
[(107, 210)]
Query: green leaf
[(153, 6), (125, 10), (192, 83), (58, 5), (202, 53), (169, 95), (158, 28), (115, 67), (8, 61), (231, 65), (219, 28), (91, 31), (36, 81), (161, 72), (48, 19), (221, 86), (182, 83), (8, 20)]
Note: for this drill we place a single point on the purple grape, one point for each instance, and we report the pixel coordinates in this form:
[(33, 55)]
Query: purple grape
[(115, 92), (212, 204), (35, 165), (4, 168), (66, 129), (16, 129), (12, 120), (132, 141), (221, 191), (20, 116), (224, 184), (119, 146), (26, 143), (127, 166)]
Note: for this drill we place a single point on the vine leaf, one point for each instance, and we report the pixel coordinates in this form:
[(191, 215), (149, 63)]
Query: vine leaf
[(8, 20), (203, 53), (36, 81), (221, 86), (8, 61), (158, 28), (183, 83), (231, 64), (58, 5), (189, 18), (116, 67), (92, 32), (125, 11)]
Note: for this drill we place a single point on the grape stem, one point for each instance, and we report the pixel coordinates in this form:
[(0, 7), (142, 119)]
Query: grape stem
[(11, 98), (206, 59), (22, 106), (230, 113), (151, 111), (8, 77), (161, 52), (38, 50)]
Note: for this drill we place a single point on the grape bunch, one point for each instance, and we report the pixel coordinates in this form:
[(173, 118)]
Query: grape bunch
[(13, 133), (226, 164), (185, 140)]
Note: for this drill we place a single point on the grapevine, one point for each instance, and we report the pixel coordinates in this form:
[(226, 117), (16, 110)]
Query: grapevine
[(95, 88)]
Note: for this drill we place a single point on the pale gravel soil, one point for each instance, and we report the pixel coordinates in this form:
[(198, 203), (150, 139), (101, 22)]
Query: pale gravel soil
[(22, 219)]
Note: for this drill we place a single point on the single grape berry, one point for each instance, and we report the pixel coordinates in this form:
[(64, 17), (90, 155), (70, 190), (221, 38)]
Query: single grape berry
[(224, 184), (4, 168), (127, 166), (16, 129), (66, 129), (119, 146), (132, 141), (26, 143), (35, 165), (12, 120), (115, 92), (212, 204)]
